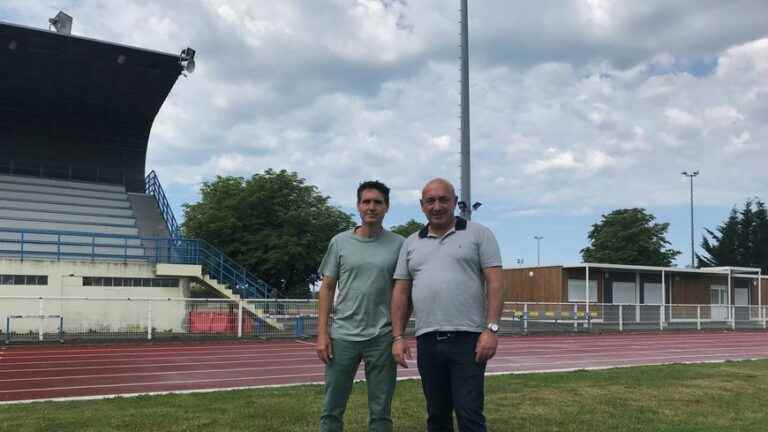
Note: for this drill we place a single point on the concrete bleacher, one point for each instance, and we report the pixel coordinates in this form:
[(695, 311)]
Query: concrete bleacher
[(86, 218)]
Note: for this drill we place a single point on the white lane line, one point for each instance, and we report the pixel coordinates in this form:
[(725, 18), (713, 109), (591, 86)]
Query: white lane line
[(399, 378), (49, 389), (136, 374), (557, 353), (652, 359), (137, 366), (312, 344), (256, 357), (278, 345), (65, 355)]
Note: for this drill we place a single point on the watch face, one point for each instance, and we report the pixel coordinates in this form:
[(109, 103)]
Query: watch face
[(493, 327)]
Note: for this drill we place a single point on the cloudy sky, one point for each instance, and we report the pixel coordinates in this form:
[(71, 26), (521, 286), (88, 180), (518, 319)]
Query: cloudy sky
[(578, 107)]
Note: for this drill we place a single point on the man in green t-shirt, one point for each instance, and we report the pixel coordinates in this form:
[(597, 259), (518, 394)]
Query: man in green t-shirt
[(357, 279)]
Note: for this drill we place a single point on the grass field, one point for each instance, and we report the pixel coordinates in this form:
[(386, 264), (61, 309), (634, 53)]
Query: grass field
[(730, 396)]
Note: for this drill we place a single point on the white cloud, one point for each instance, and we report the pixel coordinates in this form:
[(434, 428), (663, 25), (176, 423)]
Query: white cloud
[(625, 95)]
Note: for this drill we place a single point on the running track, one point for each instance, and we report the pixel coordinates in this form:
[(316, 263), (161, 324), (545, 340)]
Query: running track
[(80, 372)]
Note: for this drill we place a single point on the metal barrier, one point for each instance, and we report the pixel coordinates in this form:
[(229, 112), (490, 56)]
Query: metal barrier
[(31, 319), (528, 317), (40, 319)]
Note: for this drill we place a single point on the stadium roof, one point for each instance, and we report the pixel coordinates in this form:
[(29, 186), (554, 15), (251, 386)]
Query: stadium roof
[(73, 107)]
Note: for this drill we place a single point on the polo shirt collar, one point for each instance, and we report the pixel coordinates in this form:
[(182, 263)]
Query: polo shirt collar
[(460, 224)]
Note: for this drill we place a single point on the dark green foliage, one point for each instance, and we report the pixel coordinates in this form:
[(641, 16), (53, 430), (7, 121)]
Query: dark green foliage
[(407, 228), (629, 236), (741, 240), (274, 224)]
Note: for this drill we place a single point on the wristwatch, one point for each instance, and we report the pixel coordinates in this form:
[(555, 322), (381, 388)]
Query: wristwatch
[(493, 327)]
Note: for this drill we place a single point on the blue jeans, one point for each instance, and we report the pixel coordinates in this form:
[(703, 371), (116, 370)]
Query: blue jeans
[(452, 380)]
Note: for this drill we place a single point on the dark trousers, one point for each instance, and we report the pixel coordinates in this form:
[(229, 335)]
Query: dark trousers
[(452, 380)]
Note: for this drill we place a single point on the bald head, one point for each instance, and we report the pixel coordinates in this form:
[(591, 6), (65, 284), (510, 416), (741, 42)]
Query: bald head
[(438, 201), (439, 183)]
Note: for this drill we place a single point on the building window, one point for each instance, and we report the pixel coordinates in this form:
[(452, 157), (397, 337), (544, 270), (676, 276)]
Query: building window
[(130, 282), (577, 290), (36, 280)]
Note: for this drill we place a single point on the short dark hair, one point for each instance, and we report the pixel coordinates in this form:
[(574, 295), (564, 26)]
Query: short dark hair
[(373, 184)]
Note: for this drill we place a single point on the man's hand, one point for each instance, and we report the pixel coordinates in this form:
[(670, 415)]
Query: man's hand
[(486, 346), (401, 352), (323, 347)]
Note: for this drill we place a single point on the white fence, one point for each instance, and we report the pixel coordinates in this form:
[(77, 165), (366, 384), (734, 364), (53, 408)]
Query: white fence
[(70, 318), (528, 317), (34, 319)]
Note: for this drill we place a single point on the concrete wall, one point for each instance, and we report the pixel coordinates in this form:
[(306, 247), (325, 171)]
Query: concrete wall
[(111, 313)]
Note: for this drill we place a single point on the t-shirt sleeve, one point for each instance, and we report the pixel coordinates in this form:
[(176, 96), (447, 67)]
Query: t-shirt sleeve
[(490, 255), (330, 264), (401, 269)]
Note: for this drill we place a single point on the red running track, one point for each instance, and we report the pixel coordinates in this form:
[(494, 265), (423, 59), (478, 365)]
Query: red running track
[(64, 372)]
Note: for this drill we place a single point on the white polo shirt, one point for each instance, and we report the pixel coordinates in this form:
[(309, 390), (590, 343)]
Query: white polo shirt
[(448, 286)]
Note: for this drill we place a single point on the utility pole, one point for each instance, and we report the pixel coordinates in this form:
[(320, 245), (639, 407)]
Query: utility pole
[(538, 249), (466, 186), (691, 175)]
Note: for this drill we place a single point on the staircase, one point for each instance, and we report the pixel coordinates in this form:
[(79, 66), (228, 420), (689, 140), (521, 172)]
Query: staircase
[(196, 272)]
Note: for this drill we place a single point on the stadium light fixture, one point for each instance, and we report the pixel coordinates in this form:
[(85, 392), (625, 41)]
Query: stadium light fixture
[(62, 23), (187, 60), (691, 175)]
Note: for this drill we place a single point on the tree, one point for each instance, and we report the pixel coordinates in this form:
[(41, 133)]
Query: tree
[(741, 240), (629, 236), (407, 228), (274, 224)]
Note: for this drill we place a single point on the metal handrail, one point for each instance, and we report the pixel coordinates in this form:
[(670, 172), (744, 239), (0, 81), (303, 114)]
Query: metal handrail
[(153, 187)]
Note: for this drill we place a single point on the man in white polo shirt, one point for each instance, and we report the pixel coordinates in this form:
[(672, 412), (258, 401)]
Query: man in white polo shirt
[(451, 271)]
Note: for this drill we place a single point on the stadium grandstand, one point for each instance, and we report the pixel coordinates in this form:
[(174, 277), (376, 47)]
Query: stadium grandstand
[(80, 219)]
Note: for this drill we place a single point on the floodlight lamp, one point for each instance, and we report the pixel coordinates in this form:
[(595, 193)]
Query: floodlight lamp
[(462, 205), (187, 60), (62, 23), (476, 205)]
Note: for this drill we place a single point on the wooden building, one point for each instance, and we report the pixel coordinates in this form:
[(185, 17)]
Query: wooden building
[(627, 284)]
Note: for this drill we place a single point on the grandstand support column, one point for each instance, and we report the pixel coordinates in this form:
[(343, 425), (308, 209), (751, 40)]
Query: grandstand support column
[(149, 319)]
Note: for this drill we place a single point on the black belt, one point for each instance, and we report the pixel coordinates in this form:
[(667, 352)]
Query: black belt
[(446, 335)]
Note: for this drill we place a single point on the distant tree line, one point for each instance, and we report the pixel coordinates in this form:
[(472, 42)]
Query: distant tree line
[(741, 240), (633, 237)]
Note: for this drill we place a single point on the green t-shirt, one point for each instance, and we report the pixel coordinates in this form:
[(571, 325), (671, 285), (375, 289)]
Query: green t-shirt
[(363, 268)]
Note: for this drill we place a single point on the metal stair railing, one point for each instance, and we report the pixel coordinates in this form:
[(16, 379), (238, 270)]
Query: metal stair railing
[(214, 263), (34, 244), (153, 187)]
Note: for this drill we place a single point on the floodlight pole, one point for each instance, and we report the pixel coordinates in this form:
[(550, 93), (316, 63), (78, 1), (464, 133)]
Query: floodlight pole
[(691, 175), (466, 186), (538, 249)]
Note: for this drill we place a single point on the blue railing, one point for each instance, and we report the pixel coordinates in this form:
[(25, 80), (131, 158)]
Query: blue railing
[(72, 245), (153, 187)]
